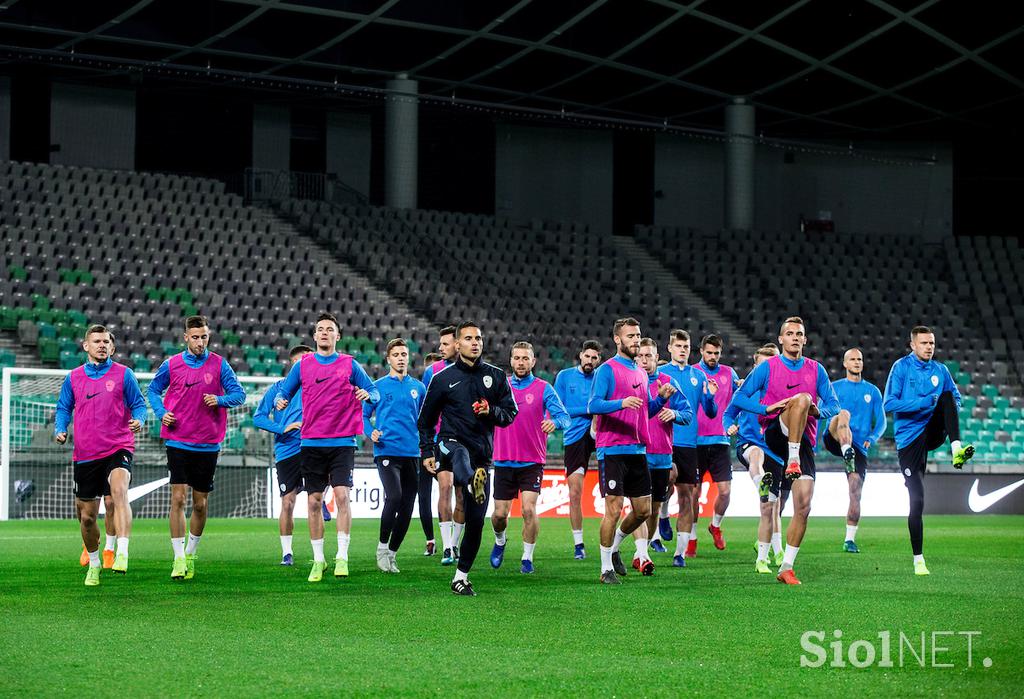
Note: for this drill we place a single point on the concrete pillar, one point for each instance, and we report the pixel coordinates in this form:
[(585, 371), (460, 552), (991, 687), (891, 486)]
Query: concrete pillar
[(739, 165), (401, 142)]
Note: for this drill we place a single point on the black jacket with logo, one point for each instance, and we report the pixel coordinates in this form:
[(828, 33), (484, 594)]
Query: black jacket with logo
[(450, 396)]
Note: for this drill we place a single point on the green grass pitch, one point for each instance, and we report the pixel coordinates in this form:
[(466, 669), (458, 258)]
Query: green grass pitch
[(248, 627)]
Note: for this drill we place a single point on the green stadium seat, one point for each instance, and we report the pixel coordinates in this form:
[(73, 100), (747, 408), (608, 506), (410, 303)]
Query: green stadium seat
[(141, 362), (231, 338), (7, 358), (985, 436), (990, 390), (68, 345), (8, 319), (17, 273), (68, 276), (952, 365), (169, 348), (414, 347), (1000, 403), (152, 293), (70, 360), (49, 349), (77, 317), (962, 379), (84, 276), (41, 302), (46, 331)]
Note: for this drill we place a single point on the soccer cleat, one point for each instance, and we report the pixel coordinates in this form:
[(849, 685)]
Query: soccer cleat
[(316, 573), (431, 548), (392, 565), (609, 577), (665, 528), (762, 567), (463, 588), (691, 548), (288, 560), (961, 457), (84, 558), (850, 546), (190, 565), (178, 568), (478, 485), (764, 488), (341, 567), (775, 558), (327, 513), (617, 565), (579, 553), (850, 456), (92, 576), (657, 546), (793, 470), (645, 566), (678, 562), (716, 534), (383, 560), (497, 556), (455, 552), (788, 577), (120, 563), (526, 567), (108, 559), (920, 568), (447, 558)]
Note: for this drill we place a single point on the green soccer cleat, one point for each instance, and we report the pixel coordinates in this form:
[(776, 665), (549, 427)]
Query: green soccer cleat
[(774, 559), (92, 576), (920, 568), (341, 567), (850, 546), (316, 574), (190, 565), (179, 568), (478, 485), (961, 457), (120, 563), (762, 567)]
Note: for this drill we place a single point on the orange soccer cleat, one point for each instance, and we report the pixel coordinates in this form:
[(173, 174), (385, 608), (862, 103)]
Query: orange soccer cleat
[(788, 577), (108, 559), (84, 558), (716, 534)]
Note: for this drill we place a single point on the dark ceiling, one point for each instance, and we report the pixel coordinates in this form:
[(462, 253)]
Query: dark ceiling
[(850, 68)]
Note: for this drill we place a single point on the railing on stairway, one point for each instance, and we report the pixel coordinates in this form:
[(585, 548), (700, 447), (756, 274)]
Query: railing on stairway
[(263, 186)]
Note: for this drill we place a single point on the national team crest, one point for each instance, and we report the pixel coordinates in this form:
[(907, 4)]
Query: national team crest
[(488, 382), (867, 398), (529, 398), (109, 386), (414, 393), (693, 380), (208, 377), (935, 380)]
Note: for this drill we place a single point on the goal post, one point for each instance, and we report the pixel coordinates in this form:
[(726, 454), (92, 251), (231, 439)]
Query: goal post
[(36, 476)]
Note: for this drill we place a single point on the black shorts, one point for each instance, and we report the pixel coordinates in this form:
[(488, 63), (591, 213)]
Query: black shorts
[(659, 484), (860, 460), (685, 461), (779, 444), (741, 450), (289, 474), (195, 469), (92, 478), (914, 457), (714, 459), (577, 454), (509, 482), (625, 474), (323, 465)]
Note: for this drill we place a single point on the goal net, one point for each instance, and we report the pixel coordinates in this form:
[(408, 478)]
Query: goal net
[(36, 477)]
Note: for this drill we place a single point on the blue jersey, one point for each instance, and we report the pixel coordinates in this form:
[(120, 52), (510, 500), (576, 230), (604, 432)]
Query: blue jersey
[(268, 418), (396, 415), (867, 416), (911, 393), (573, 387), (693, 383)]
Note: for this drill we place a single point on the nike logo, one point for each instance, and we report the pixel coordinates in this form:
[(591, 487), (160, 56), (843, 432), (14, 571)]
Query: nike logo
[(190, 385), (141, 490), (91, 395), (637, 385), (326, 378), (453, 385), (979, 503), (790, 388)]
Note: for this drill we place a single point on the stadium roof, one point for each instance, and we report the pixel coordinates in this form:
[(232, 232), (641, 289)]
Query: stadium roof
[(849, 68)]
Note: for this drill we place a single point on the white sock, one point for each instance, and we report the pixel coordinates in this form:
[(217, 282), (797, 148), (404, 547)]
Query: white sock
[(919, 558), (606, 559), (457, 533), (122, 546), (459, 575), (193, 544), (664, 510), (777, 542), (318, 549), (641, 549), (178, 545), (794, 451), (381, 548), (954, 446), (789, 557), (681, 541), (693, 531), (286, 545), (577, 537), (343, 540), (446, 535), (94, 559), (528, 551), (851, 532), (716, 520), (762, 550), (109, 545), (499, 538), (619, 536)]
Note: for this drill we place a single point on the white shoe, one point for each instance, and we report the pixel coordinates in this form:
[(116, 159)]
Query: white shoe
[(383, 560), (391, 561)]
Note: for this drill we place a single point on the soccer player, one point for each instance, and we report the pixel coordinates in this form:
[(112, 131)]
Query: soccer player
[(450, 521), (751, 451), (694, 384), (395, 449), (520, 452), (333, 386), (794, 391), (712, 442), (850, 434), (108, 409), (425, 480), (285, 426), (924, 401), (200, 387), (622, 406), (573, 387), (471, 398), (661, 430)]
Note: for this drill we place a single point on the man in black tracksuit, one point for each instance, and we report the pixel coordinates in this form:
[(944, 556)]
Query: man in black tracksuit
[(471, 397)]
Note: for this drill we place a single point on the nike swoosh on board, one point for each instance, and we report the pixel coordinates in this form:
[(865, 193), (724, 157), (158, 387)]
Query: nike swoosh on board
[(979, 503)]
